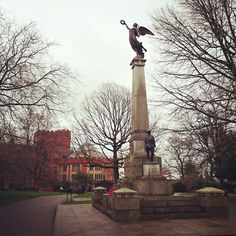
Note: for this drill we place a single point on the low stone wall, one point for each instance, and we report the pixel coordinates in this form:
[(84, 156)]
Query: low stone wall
[(123, 205), (98, 195), (106, 201), (126, 205)]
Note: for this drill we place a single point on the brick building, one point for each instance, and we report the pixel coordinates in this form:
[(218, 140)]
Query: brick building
[(64, 165), (56, 145), (69, 168)]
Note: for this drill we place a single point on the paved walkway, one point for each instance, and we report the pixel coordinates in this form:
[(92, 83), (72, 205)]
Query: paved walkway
[(33, 217), (84, 220)]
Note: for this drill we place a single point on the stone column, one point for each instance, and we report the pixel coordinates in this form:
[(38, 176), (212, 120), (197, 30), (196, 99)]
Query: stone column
[(213, 201), (125, 205), (139, 107), (139, 119), (98, 194)]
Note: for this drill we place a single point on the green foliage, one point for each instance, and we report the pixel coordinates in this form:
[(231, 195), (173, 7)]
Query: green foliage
[(77, 202), (86, 195), (180, 187), (83, 179), (225, 161), (83, 198), (104, 183), (199, 183), (229, 186), (202, 183)]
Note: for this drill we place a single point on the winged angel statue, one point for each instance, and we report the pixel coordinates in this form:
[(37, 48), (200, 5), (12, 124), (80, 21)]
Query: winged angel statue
[(135, 32)]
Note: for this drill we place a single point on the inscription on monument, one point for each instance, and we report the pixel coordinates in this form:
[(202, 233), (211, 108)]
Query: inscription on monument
[(151, 169)]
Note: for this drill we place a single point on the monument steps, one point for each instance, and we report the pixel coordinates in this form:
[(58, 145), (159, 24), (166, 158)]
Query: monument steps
[(167, 202), (165, 216), (171, 208)]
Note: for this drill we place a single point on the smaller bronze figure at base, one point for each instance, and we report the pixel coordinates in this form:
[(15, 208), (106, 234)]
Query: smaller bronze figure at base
[(149, 145)]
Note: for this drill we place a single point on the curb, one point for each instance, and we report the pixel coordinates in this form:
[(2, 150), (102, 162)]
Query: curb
[(57, 227)]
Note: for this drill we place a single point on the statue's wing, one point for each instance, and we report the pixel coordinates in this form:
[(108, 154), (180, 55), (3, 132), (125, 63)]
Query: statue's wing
[(143, 30)]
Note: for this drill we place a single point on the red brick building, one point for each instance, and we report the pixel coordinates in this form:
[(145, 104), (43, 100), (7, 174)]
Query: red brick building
[(55, 145), (64, 165), (69, 168)]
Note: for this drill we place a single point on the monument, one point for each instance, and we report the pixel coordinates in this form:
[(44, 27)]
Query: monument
[(145, 193), (145, 174)]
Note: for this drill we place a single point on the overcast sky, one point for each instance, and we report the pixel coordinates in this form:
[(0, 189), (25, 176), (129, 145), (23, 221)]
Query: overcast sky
[(91, 39)]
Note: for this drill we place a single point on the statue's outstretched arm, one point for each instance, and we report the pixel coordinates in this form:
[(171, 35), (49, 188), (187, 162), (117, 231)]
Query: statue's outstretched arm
[(124, 23)]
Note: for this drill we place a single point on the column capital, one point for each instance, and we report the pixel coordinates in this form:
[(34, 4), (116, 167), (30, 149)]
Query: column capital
[(137, 61)]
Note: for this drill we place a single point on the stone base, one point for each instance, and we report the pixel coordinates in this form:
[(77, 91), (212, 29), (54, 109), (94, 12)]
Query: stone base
[(134, 166), (151, 169), (153, 185), (213, 201), (98, 194), (125, 205)]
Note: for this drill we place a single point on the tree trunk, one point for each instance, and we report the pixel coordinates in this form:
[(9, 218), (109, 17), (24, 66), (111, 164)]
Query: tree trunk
[(116, 173), (115, 167)]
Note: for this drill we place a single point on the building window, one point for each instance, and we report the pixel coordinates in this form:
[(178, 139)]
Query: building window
[(98, 168), (64, 168), (63, 177), (74, 177), (99, 176), (75, 167), (91, 168)]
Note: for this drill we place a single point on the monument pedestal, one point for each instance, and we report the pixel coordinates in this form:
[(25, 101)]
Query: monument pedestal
[(152, 185), (151, 182), (138, 166)]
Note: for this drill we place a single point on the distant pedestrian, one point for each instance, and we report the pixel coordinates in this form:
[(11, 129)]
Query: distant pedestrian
[(111, 190), (149, 145)]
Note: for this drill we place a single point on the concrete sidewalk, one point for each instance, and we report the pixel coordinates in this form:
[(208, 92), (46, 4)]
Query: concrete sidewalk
[(84, 220)]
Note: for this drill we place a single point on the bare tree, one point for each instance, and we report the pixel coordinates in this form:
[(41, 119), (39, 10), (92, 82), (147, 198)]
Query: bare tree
[(214, 146), (105, 122), (210, 143), (32, 89), (180, 153), (197, 42), (27, 75), (22, 159)]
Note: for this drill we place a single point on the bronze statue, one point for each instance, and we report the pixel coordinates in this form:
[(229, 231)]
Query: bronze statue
[(135, 32), (149, 145)]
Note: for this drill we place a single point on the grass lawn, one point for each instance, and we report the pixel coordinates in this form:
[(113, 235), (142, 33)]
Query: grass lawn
[(85, 195), (83, 198), (7, 197)]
